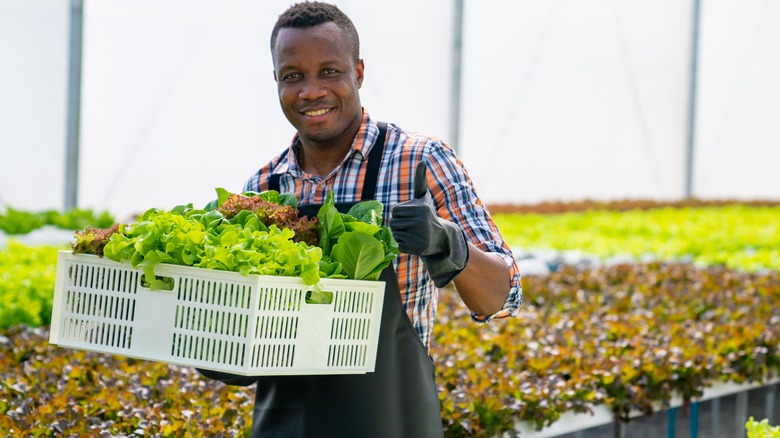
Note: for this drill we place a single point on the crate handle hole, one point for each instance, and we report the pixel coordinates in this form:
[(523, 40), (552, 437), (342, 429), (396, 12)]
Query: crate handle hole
[(159, 283), (318, 297)]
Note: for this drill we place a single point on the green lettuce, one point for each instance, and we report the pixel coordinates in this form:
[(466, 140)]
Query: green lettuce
[(354, 245), (206, 239), (357, 240)]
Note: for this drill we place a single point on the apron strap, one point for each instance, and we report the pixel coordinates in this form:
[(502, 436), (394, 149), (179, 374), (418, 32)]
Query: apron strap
[(374, 160), (372, 172), (273, 180)]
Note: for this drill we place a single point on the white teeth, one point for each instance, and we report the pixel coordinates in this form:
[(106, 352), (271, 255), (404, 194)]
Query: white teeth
[(316, 113)]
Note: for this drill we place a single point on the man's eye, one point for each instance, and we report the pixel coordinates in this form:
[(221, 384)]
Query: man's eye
[(330, 71), (291, 77)]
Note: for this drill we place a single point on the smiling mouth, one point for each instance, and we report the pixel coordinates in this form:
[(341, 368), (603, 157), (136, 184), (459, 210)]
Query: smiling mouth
[(314, 113)]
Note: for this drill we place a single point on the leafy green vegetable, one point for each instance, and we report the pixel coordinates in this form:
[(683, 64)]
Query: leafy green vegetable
[(27, 277), (272, 209), (207, 239), (92, 240), (77, 218), (277, 198), (741, 237), (253, 233), (356, 240), (389, 245), (15, 221), (318, 297), (360, 254), (762, 429), (369, 212), (331, 269), (20, 221), (330, 225)]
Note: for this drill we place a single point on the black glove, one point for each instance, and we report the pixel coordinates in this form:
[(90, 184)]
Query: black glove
[(418, 230)]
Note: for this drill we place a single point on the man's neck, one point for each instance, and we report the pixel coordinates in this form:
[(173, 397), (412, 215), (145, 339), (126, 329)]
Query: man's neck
[(321, 161)]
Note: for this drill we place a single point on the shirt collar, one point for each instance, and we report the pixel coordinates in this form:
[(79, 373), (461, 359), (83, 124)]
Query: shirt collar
[(366, 136)]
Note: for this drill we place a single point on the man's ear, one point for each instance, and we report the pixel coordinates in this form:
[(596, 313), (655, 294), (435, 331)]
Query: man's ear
[(359, 67)]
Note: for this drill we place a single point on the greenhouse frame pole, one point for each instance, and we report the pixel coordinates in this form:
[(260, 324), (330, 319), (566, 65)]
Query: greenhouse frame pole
[(689, 156), (457, 52), (74, 104)]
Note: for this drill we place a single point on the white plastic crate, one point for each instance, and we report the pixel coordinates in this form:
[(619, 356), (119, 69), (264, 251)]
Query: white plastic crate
[(217, 320)]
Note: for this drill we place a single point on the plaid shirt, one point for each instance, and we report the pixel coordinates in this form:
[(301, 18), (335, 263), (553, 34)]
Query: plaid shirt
[(453, 193)]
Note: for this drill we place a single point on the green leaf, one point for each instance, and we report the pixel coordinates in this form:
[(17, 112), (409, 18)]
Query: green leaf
[(359, 254), (212, 219), (361, 227), (369, 212), (270, 196), (288, 199), (249, 220), (317, 296), (222, 195), (331, 269), (329, 227), (211, 205), (181, 209), (390, 246), (277, 198)]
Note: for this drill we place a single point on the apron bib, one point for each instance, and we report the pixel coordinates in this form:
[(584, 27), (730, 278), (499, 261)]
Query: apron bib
[(398, 400)]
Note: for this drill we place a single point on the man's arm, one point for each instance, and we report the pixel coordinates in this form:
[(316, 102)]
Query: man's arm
[(484, 283)]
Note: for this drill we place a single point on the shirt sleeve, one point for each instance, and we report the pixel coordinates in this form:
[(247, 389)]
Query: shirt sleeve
[(457, 200)]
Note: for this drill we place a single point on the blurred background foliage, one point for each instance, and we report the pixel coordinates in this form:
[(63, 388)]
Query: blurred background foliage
[(674, 299)]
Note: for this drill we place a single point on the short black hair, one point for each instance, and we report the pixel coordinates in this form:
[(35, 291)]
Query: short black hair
[(308, 14)]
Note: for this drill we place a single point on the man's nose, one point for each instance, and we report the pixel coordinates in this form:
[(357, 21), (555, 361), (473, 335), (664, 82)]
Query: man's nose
[(312, 89)]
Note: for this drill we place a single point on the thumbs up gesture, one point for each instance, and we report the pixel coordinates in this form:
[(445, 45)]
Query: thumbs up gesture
[(419, 231)]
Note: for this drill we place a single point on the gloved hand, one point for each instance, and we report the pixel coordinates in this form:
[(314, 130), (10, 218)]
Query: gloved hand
[(418, 230)]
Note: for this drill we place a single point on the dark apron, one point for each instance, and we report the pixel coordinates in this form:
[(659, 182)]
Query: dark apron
[(398, 400)]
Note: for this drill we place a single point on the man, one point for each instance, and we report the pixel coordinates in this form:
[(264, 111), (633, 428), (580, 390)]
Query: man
[(443, 231)]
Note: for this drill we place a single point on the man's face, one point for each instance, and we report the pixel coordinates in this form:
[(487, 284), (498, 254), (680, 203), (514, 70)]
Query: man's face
[(318, 81)]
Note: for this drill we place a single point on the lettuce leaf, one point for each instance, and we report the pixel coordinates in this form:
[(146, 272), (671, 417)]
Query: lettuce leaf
[(360, 255), (369, 212), (357, 240)]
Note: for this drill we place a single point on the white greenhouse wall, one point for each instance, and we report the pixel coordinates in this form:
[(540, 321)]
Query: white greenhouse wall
[(565, 100), (561, 99), (33, 93), (739, 100)]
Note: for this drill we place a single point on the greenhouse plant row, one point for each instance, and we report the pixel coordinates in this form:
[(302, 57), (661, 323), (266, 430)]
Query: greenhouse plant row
[(691, 305)]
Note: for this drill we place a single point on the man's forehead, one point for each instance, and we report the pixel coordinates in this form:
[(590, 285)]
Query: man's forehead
[(328, 32), (292, 41)]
